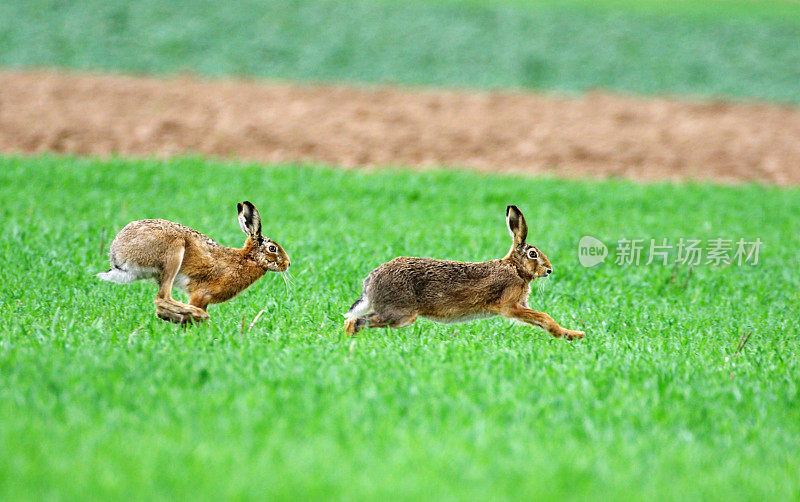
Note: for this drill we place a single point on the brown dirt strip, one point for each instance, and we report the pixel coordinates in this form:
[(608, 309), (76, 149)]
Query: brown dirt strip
[(594, 135)]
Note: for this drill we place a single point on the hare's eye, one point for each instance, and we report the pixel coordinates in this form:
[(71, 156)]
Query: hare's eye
[(532, 254), (272, 248)]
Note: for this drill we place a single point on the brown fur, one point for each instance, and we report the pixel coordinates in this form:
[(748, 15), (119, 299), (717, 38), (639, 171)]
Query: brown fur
[(208, 272), (399, 291)]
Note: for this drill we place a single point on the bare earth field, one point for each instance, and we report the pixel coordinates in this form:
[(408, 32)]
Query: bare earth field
[(595, 135)]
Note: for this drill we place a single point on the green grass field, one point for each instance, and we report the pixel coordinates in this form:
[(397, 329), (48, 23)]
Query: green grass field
[(99, 399), (743, 49)]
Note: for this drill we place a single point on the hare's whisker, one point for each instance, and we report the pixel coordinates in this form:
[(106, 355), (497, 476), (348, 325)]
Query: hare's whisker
[(287, 280)]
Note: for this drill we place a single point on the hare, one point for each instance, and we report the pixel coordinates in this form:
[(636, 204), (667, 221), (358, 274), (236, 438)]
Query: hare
[(397, 292), (176, 255)]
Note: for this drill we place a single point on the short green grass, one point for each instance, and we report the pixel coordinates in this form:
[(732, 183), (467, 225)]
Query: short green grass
[(99, 399), (741, 49), (709, 9)]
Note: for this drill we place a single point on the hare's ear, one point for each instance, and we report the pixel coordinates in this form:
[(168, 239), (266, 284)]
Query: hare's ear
[(249, 219), (516, 225)]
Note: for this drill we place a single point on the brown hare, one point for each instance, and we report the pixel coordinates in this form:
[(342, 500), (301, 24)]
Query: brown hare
[(397, 292), (176, 255)]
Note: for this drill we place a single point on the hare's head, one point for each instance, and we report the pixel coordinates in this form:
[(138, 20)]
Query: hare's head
[(264, 251), (526, 257)]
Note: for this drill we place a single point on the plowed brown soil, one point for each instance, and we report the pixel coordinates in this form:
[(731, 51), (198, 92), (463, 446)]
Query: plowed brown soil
[(594, 135)]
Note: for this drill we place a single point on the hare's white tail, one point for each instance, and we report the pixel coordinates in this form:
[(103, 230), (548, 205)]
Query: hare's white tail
[(359, 308), (117, 275)]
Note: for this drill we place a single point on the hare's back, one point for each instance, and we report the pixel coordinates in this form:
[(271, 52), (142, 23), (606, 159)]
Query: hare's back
[(429, 274), (146, 242), (150, 231)]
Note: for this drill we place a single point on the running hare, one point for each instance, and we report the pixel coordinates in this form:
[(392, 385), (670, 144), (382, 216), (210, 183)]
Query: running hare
[(397, 292), (175, 255)]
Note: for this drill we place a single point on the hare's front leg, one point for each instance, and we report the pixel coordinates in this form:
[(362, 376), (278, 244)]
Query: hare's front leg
[(542, 320), (167, 308)]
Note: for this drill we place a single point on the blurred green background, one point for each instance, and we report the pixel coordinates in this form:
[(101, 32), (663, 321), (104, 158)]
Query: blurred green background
[(745, 49)]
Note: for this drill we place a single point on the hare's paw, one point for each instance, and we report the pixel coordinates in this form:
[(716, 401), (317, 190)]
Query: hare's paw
[(573, 335), (179, 313), (200, 315), (169, 316), (353, 325)]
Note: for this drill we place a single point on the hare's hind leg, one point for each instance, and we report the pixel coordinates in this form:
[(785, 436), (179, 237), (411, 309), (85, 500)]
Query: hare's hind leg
[(542, 320), (167, 308), (375, 320)]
